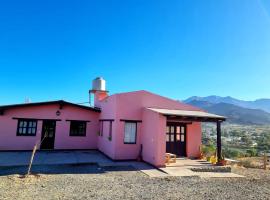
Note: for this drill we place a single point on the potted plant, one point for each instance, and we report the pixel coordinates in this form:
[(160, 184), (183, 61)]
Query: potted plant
[(213, 159), (223, 161)]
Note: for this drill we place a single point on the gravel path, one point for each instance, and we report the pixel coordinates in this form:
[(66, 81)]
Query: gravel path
[(93, 182)]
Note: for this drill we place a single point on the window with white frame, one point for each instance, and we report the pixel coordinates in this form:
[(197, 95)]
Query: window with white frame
[(27, 127), (130, 133)]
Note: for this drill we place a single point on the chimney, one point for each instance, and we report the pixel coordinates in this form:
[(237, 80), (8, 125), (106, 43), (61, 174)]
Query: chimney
[(99, 90)]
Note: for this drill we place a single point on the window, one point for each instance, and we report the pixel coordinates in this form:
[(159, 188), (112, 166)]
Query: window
[(172, 137), (105, 127), (182, 129), (167, 134), (77, 128), (178, 129), (167, 137), (130, 133), (27, 127), (167, 129), (101, 129), (110, 131)]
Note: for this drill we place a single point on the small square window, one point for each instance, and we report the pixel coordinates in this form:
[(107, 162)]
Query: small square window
[(172, 138), (167, 129), (77, 128), (167, 137), (182, 129), (178, 137), (27, 127), (178, 129)]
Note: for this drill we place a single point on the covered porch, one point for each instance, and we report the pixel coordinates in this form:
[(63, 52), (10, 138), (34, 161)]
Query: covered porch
[(183, 131)]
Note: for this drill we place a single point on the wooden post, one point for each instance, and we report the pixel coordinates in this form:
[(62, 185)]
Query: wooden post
[(219, 156)]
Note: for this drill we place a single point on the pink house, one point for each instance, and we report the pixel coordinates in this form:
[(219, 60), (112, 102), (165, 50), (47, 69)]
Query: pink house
[(125, 126)]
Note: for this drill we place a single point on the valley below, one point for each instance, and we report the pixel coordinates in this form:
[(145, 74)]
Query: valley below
[(238, 140)]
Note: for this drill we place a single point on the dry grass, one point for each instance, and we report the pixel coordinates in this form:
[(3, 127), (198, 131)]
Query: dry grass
[(252, 162), (25, 178)]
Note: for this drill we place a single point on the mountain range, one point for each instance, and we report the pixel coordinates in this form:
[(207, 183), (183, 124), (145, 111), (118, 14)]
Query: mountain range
[(263, 104), (237, 111)]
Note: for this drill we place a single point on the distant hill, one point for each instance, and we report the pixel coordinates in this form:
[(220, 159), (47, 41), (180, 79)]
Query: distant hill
[(235, 114), (263, 104)]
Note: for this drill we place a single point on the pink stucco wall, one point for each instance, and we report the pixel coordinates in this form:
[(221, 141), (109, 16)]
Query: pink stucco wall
[(194, 139), (154, 137), (151, 132), (108, 107), (8, 127)]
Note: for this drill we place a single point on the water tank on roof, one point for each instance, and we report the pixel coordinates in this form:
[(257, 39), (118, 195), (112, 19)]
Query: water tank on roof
[(99, 84)]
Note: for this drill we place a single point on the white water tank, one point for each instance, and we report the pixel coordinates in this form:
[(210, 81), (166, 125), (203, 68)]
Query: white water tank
[(99, 84)]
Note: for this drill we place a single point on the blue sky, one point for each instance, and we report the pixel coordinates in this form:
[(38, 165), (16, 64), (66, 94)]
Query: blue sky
[(52, 49)]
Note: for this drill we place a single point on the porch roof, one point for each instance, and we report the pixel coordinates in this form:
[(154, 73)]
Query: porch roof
[(189, 115)]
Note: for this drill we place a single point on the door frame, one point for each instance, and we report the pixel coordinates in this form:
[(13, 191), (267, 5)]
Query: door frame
[(42, 134), (174, 143)]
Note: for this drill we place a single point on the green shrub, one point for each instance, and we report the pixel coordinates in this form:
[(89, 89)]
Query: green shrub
[(232, 153), (208, 150), (251, 152)]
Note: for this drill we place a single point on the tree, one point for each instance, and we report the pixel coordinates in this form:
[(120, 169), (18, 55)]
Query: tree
[(246, 139), (232, 153), (264, 141), (236, 133)]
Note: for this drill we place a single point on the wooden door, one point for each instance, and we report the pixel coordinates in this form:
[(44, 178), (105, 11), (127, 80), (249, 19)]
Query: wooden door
[(176, 139), (170, 139), (48, 134), (180, 140)]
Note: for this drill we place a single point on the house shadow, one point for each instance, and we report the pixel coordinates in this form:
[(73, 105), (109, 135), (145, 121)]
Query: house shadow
[(81, 168)]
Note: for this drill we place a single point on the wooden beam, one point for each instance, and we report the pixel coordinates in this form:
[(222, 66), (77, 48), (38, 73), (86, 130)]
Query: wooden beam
[(193, 119), (75, 120), (18, 118), (180, 122), (130, 120), (106, 120)]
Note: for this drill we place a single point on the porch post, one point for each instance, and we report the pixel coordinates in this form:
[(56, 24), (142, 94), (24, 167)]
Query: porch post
[(219, 156)]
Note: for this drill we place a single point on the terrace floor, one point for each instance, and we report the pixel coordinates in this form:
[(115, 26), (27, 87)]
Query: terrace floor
[(10, 161), (203, 169)]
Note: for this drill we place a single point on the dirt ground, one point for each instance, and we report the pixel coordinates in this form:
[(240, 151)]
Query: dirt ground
[(94, 182)]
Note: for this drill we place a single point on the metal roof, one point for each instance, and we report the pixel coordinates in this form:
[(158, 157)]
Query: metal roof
[(187, 113), (60, 102)]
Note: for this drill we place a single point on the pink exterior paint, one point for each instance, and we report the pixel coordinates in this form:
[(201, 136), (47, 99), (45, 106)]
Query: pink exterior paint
[(151, 132), (194, 139), (8, 127), (109, 112), (154, 138)]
